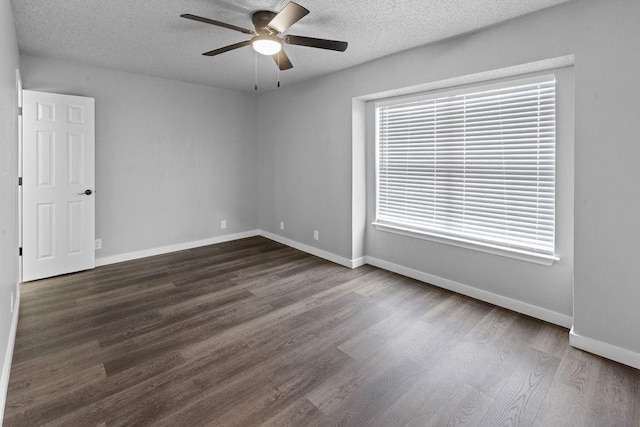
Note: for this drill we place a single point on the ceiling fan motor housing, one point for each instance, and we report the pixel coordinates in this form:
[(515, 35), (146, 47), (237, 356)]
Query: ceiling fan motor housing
[(261, 19)]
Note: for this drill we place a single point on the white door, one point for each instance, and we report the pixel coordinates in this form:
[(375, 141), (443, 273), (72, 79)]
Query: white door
[(58, 227)]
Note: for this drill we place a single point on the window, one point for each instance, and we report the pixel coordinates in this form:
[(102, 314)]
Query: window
[(475, 166)]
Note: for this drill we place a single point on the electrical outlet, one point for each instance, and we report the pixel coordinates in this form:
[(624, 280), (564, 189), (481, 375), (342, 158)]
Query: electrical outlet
[(13, 302), (281, 225), (223, 224), (98, 243), (316, 235)]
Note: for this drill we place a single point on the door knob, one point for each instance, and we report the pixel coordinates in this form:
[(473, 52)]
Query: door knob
[(86, 192)]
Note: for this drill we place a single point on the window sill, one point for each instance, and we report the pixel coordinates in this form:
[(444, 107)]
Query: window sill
[(532, 257)]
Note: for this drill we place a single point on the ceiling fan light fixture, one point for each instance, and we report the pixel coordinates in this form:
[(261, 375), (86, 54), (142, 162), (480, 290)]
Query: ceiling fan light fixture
[(268, 37), (266, 44)]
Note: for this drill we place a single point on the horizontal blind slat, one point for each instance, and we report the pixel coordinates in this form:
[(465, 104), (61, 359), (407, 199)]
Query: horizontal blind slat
[(478, 165)]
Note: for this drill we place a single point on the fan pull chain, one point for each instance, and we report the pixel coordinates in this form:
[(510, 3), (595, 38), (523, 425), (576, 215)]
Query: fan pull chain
[(278, 69), (256, 70)]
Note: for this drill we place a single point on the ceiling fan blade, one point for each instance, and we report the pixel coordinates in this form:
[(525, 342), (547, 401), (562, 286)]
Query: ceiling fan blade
[(282, 60), (227, 48), (218, 23), (288, 16), (313, 42)]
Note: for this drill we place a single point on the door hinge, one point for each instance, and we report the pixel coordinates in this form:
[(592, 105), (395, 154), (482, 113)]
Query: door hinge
[(19, 111), (19, 251), (19, 180)]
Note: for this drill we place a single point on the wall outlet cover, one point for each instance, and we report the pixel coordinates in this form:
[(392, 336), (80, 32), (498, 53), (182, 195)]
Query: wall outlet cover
[(223, 224), (98, 243)]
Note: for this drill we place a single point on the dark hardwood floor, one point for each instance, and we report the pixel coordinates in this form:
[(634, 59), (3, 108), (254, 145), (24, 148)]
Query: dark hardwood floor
[(252, 332)]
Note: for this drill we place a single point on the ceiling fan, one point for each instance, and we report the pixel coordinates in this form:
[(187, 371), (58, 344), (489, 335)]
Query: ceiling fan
[(265, 38)]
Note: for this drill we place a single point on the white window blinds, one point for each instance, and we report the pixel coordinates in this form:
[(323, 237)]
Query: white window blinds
[(477, 166)]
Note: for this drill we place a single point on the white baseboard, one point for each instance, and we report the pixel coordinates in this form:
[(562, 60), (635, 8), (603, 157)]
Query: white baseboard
[(346, 262), (173, 248), (129, 256), (610, 351), (358, 262), (8, 357), (499, 300)]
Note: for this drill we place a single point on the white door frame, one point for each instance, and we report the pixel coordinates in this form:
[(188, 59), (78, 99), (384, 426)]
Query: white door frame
[(19, 136)]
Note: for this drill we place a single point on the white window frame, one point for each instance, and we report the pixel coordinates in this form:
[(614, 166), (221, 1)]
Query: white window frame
[(432, 235)]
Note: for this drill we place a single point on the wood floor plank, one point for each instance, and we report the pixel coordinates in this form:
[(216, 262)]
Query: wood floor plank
[(63, 336), (436, 385), (616, 389), (551, 339), (111, 396), (252, 332), (274, 317), (465, 407), (557, 412), (368, 405), (166, 391), (257, 394), (522, 396), (502, 359), (300, 413), (58, 397), (42, 393), (53, 367)]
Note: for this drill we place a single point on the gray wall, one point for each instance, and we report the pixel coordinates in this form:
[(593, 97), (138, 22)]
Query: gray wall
[(8, 174), (607, 205), (306, 165), (172, 159)]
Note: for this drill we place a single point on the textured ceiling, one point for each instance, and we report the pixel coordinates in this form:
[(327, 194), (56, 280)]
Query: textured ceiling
[(149, 37)]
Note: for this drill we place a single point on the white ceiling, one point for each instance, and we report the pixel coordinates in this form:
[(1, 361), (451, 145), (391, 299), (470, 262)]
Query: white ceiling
[(149, 37)]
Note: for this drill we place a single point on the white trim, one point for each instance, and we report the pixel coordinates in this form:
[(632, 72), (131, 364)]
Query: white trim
[(346, 262), (604, 349), (501, 73), (129, 256), (358, 262), (450, 91), (520, 255), (8, 357), (20, 166), (499, 300), (173, 248)]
